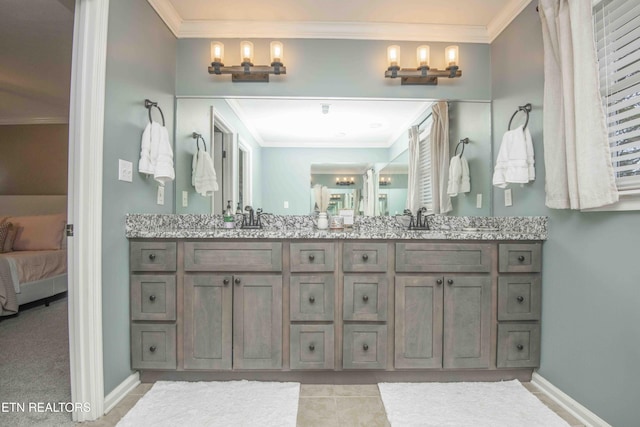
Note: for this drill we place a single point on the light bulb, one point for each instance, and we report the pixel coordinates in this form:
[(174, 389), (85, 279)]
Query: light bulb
[(217, 52), (423, 56), (451, 56), (393, 55)]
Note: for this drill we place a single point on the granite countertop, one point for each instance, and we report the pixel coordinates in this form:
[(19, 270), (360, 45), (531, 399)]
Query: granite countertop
[(188, 226)]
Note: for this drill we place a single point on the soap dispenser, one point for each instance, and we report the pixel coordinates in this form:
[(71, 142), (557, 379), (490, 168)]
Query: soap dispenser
[(228, 218)]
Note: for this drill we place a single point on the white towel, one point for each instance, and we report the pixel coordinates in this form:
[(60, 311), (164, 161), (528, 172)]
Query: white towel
[(203, 174), (515, 163), (156, 155), (164, 171), (458, 176), (150, 137)]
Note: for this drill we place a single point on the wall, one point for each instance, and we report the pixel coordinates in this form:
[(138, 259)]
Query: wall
[(33, 159), (141, 58), (590, 277)]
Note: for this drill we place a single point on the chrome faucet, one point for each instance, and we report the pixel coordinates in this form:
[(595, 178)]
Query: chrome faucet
[(421, 222), (253, 221)]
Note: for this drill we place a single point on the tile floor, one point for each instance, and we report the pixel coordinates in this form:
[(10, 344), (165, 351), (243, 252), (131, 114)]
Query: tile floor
[(326, 406)]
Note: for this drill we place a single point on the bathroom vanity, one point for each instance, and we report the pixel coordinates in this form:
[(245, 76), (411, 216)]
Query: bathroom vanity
[(379, 303)]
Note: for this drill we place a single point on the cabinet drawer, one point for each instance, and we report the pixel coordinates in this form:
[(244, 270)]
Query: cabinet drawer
[(311, 346), (365, 347), (519, 297), (233, 256), (153, 346), (443, 257), (312, 257), (365, 297), (312, 297), (518, 345), (153, 297), (365, 257), (520, 258), (153, 256)]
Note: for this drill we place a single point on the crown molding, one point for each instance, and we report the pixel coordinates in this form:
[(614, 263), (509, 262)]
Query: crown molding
[(168, 14), (504, 18), (54, 120), (333, 30), (325, 144)]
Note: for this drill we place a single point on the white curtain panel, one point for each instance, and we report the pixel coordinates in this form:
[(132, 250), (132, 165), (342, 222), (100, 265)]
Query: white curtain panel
[(369, 194), (440, 157), (413, 186), (579, 173)]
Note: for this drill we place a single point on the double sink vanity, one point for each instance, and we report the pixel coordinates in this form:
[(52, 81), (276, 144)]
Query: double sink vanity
[(376, 303)]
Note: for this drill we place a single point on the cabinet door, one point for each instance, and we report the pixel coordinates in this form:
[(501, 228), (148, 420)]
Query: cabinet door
[(467, 317), (418, 322), (207, 321), (257, 322)]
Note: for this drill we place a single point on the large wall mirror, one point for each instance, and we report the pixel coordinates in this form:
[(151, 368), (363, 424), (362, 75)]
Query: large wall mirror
[(270, 152)]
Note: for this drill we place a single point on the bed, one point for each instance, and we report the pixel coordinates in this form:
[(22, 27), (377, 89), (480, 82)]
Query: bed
[(33, 255)]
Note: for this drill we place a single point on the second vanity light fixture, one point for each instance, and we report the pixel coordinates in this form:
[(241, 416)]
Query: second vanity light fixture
[(246, 71), (423, 74)]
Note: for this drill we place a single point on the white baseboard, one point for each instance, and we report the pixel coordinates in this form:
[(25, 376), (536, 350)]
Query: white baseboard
[(567, 402), (121, 391)]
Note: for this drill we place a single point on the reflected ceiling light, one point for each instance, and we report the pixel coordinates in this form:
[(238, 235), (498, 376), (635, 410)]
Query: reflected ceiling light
[(423, 74), (345, 181), (246, 71)]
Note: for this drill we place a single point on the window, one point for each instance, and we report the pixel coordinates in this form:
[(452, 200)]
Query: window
[(617, 37), (424, 165)]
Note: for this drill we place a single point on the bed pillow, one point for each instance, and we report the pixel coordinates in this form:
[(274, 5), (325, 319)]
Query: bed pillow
[(7, 244), (4, 230), (38, 232)]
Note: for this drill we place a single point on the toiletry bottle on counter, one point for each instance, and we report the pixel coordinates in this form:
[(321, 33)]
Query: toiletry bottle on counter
[(323, 221), (228, 217)]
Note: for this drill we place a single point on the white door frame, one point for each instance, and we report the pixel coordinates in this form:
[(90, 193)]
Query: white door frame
[(86, 124)]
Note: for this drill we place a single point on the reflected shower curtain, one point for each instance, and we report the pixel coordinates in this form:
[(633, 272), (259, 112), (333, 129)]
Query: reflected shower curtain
[(440, 157), (369, 194), (413, 186)]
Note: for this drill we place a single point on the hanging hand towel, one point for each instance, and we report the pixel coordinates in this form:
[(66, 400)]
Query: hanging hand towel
[(515, 162), (465, 180), (149, 144), (203, 174), (455, 176), (164, 172)]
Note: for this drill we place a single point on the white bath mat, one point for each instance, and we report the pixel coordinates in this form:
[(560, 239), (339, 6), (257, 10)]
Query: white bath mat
[(498, 404), (224, 404)]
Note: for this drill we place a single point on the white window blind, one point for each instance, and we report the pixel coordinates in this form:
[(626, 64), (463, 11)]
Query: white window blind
[(424, 166), (617, 36)]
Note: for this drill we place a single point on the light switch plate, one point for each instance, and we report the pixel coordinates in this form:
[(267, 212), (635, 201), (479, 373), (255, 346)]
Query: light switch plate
[(185, 199), (507, 197), (161, 194), (125, 170), (479, 200), (286, 204)]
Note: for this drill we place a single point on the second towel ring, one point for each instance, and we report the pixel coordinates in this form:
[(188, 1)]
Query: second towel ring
[(199, 137), (150, 104), (464, 142), (526, 108)]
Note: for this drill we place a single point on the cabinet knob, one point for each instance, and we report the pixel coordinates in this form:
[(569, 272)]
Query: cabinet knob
[(312, 257), (520, 347), (439, 282), (521, 258), (365, 257), (152, 298), (312, 299), (225, 281), (520, 299), (450, 282), (152, 349), (152, 256), (312, 347), (365, 298), (365, 347), (236, 281)]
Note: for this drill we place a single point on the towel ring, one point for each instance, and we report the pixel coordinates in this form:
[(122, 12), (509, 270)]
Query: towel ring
[(526, 108), (150, 104), (199, 137), (464, 142)]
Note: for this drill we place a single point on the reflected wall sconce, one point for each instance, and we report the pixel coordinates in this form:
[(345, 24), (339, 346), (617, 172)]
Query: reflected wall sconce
[(246, 71), (423, 74), (345, 181), (384, 181)]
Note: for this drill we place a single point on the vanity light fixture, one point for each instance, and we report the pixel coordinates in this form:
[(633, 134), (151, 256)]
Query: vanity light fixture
[(246, 71), (384, 181), (345, 181), (423, 74)]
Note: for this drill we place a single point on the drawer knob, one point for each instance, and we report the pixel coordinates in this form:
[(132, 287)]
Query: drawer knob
[(365, 257), (152, 349), (439, 282), (365, 298), (450, 282), (521, 258), (312, 299), (520, 299), (237, 281), (152, 257), (152, 298), (312, 347), (365, 347), (225, 281), (520, 347), (312, 257)]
